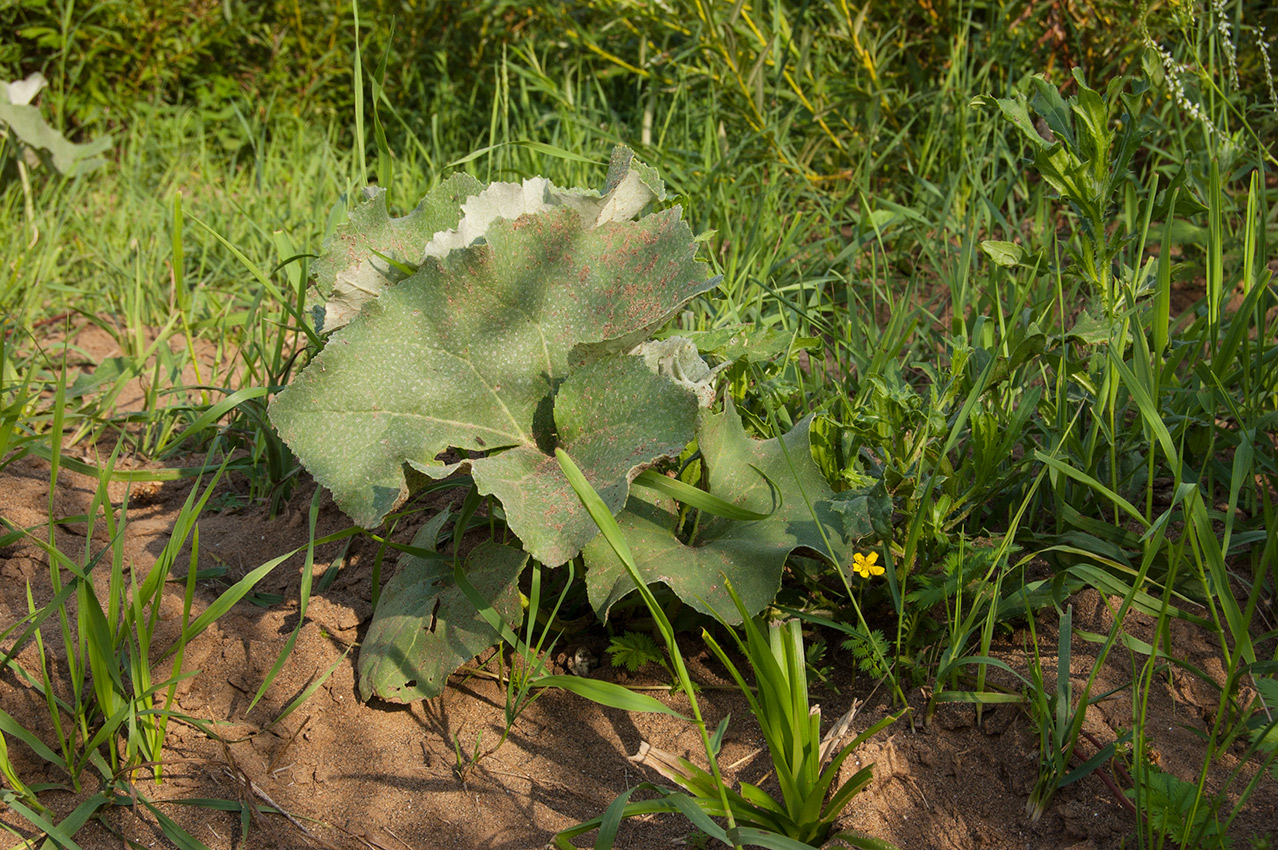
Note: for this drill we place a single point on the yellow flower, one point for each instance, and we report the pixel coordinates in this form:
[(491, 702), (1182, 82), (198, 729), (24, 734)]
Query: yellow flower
[(866, 566)]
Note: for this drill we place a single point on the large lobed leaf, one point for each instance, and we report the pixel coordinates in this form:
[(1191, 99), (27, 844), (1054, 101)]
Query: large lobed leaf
[(469, 352), (372, 251), (615, 418), (777, 477)]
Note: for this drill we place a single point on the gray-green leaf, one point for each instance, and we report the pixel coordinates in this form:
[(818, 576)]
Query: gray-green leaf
[(373, 250), (866, 513), (744, 472), (615, 418), (468, 352), (360, 259), (425, 627)]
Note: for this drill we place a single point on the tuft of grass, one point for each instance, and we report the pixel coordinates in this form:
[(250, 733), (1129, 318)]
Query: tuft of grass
[(110, 686)]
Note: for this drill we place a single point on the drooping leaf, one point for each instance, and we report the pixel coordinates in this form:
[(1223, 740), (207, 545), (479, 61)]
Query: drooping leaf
[(1016, 110), (425, 627), (1054, 109), (30, 128), (754, 474), (1006, 254), (468, 352)]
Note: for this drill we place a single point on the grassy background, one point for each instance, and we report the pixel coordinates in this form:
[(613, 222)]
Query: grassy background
[(1114, 417)]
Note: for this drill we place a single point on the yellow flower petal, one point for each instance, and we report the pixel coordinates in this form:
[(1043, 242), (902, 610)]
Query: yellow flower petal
[(865, 566)]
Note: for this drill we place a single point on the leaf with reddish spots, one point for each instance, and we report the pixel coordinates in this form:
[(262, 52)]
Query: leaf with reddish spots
[(469, 352), (615, 418)]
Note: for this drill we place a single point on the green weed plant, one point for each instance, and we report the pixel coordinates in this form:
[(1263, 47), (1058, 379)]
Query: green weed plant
[(109, 711), (804, 768)]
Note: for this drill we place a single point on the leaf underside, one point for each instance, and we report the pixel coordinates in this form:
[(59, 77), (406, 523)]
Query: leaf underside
[(750, 554)]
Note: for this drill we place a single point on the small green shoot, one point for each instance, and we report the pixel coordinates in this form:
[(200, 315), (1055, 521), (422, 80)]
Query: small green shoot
[(634, 650)]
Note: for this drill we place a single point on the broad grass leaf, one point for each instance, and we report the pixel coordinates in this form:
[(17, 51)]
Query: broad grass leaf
[(608, 693), (39, 821)]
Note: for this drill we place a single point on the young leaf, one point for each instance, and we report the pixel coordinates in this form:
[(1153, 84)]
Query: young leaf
[(633, 650), (373, 250)]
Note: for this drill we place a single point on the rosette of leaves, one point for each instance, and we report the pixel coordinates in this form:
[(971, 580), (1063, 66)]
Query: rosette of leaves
[(496, 323)]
